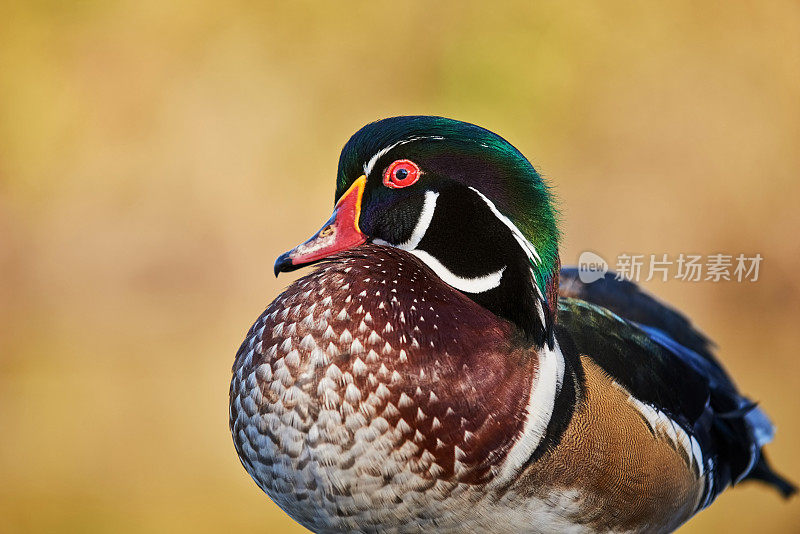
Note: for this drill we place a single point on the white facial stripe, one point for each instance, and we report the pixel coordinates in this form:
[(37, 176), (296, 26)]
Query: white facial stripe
[(424, 221), (479, 284), (535, 285), (526, 245), (374, 159), (540, 311), (541, 403)]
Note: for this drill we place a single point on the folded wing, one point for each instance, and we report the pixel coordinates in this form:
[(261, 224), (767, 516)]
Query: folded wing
[(668, 367)]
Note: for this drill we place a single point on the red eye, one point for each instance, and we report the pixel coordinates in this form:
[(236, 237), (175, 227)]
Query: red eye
[(401, 173)]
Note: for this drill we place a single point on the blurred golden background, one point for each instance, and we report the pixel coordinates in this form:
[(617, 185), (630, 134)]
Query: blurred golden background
[(155, 158)]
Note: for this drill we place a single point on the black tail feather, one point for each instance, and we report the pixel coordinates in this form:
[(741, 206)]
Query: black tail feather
[(763, 472)]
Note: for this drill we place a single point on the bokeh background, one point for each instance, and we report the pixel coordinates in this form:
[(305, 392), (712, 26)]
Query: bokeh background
[(155, 157)]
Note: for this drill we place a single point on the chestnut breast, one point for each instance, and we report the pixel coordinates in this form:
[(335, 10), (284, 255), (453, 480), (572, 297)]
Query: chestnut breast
[(370, 378)]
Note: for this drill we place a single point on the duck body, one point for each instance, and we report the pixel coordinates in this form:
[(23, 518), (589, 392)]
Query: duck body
[(423, 380), (372, 397), (373, 423)]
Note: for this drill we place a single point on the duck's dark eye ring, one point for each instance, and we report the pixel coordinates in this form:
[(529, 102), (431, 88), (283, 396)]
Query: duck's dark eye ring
[(401, 173)]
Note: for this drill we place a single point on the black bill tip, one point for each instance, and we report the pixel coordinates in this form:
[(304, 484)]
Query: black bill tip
[(284, 264)]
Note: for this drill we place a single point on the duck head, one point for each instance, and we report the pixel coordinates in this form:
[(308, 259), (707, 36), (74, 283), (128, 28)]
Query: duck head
[(458, 197)]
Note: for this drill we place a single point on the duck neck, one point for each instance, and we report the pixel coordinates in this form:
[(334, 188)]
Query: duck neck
[(488, 259)]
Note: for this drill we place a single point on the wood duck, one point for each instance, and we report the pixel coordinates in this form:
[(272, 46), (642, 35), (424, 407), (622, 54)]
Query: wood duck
[(432, 374)]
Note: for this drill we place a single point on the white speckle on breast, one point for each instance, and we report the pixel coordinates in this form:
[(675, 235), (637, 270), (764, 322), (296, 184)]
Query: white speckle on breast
[(405, 401), (346, 337), (318, 358), (359, 367), (356, 347), (308, 343), (374, 338), (332, 350), (372, 357), (308, 321), (329, 334), (292, 359)]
